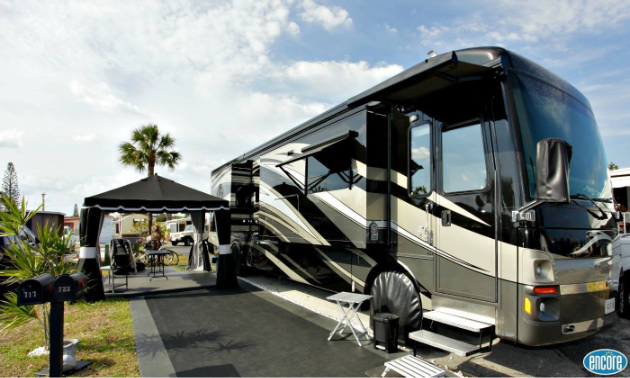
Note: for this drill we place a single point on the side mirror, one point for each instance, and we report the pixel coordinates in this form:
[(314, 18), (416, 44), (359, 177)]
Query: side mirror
[(35, 291), (553, 160), (70, 287)]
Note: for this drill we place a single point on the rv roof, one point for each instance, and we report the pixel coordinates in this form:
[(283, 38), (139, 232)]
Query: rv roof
[(468, 60)]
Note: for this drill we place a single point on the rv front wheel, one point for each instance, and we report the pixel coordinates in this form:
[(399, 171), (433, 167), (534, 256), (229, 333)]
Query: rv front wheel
[(393, 292)]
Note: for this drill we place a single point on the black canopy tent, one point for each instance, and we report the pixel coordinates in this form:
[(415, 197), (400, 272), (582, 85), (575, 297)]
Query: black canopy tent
[(154, 194)]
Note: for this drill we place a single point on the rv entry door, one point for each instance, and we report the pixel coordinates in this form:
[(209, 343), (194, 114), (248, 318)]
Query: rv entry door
[(466, 265)]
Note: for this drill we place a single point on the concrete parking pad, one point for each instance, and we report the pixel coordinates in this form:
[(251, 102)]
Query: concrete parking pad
[(141, 283), (243, 333), (153, 359)]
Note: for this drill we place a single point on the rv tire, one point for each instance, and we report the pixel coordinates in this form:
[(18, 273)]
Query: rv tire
[(174, 243), (394, 292)]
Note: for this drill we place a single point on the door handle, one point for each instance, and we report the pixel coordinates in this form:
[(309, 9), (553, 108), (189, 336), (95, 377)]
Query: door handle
[(446, 217)]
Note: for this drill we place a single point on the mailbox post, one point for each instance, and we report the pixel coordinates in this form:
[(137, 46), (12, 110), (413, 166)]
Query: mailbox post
[(44, 289)]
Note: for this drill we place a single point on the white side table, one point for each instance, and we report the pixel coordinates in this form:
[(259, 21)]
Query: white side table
[(353, 300)]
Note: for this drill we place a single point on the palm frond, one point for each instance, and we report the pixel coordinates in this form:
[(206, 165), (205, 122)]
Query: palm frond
[(148, 148), (53, 244), (132, 157), (167, 141), (14, 316), (169, 159), (27, 262), (15, 217)]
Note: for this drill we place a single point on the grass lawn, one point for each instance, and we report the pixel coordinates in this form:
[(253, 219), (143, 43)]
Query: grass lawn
[(183, 262), (105, 333)]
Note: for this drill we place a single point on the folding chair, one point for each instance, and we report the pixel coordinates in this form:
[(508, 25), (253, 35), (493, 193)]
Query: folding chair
[(120, 257)]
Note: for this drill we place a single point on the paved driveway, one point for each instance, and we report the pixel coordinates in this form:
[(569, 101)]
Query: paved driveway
[(253, 333), (505, 359)]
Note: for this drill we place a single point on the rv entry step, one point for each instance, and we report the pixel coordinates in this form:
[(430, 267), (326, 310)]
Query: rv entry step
[(457, 321), (435, 340), (458, 347)]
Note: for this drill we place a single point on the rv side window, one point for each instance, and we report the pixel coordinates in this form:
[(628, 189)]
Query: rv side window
[(330, 169), (463, 159), (420, 160)]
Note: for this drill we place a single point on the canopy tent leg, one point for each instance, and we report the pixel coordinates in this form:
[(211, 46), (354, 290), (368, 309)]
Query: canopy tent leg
[(226, 269), (197, 219), (89, 254)]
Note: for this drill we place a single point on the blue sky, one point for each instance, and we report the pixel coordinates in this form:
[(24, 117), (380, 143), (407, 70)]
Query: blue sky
[(225, 76)]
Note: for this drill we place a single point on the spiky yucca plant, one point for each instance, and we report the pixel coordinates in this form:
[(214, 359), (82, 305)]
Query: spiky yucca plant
[(29, 259)]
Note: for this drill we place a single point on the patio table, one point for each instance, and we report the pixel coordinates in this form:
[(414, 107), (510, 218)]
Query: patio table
[(157, 260), (353, 300)]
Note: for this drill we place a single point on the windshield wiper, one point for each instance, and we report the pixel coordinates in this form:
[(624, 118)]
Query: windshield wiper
[(592, 200), (607, 200)]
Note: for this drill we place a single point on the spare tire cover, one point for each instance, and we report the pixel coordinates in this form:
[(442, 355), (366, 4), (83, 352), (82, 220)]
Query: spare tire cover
[(394, 292)]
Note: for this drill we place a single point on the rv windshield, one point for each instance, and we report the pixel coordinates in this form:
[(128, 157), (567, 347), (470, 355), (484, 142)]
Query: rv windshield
[(546, 112)]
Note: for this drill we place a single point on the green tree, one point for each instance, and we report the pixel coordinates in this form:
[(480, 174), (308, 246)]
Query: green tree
[(75, 213), (10, 185), (147, 148), (612, 166)]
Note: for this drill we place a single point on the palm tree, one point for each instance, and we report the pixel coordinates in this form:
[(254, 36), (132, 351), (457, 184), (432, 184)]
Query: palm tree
[(147, 148), (612, 166)]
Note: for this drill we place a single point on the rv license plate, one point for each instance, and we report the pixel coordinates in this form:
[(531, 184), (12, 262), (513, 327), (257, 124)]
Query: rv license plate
[(610, 305)]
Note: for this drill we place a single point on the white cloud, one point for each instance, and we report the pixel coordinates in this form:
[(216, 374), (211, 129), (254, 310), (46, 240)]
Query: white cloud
[(511, 37), (84, 138), (420, 153), (100, 97), (337, 80), (390, 29), (430, 32), (10, 139), (429, 35), (293, 28), (102, 183), (556, 18), (330, 18)]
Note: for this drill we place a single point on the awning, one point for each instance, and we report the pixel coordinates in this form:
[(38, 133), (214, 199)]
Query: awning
[(427, 77), (156, 194), (313, 149)]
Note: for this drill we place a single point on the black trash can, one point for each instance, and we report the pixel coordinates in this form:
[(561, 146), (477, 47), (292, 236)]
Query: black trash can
[(386, 331)]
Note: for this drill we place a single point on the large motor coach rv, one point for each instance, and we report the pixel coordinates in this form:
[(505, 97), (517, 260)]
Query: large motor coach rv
[(472, 187)]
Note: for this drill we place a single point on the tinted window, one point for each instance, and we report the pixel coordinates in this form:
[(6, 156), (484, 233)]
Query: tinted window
[(420, 160), (546, 112), (330, 169), (463, 159)]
